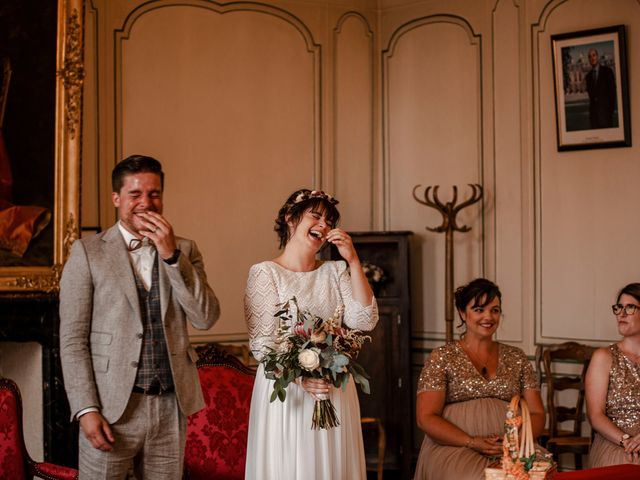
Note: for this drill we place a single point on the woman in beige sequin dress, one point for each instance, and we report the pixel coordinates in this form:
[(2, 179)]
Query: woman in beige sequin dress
[(464, 390), (613, 388)]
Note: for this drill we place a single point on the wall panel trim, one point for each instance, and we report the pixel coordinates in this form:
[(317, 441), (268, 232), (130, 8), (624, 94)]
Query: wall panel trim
[(121, 34)]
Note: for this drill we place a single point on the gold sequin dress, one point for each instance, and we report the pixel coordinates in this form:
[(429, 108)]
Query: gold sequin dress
[(622, 407), (476, 405)]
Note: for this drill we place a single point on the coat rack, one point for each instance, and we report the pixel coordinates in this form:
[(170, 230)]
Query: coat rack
[(449, 211)]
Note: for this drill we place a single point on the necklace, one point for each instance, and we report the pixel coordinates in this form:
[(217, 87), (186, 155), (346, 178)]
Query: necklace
[(484, 371)]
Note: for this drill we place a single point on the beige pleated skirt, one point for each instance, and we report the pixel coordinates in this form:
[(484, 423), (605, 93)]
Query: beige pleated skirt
[(483, 416), (603, 453)]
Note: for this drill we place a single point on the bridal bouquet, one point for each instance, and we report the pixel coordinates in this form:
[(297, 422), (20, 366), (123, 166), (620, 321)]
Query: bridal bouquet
[(309, 346)]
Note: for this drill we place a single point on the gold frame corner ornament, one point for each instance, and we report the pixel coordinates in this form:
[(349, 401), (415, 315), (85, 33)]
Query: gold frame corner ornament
[(69, 80), (72, 72)]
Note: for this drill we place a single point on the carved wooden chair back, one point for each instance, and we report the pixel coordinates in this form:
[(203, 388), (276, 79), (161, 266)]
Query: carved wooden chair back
[(561, 439)]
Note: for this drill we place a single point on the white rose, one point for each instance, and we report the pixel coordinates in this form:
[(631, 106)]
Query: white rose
[(309, 359)]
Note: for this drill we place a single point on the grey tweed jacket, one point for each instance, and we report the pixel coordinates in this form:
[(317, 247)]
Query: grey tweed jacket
[(101, 326)]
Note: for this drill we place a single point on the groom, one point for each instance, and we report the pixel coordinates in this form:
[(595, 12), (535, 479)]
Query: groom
[(126, 296)]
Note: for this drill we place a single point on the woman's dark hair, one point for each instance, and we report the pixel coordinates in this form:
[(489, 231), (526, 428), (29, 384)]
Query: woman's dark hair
[(481, 291), (132, 165), (299, 202), (632, 289)]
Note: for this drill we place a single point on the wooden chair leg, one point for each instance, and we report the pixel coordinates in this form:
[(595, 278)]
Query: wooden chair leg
[(382, 443), (382, 446)]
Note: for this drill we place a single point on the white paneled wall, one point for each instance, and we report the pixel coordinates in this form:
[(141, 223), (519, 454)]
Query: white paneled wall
[(245, 102)]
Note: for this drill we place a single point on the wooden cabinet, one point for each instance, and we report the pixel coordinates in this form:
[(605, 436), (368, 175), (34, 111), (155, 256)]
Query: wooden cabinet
[(387, 358)]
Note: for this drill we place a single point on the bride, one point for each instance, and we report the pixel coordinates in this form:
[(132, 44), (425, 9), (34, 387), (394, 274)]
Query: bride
[(281, 442)]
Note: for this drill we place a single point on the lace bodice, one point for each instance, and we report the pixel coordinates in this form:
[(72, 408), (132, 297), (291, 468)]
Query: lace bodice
[(319, 291), (449, 368)]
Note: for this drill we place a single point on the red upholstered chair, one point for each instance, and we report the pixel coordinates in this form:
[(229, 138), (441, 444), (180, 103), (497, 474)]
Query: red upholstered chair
[(15, 462), (217, 435)]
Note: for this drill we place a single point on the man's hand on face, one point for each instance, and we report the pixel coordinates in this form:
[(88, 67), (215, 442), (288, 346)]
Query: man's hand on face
[(160, 232)]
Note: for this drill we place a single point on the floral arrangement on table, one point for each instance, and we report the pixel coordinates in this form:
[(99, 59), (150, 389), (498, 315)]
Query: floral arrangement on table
[(309, 346), (520, 460)]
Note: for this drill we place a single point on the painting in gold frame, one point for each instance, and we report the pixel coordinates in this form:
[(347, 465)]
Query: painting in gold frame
[(62, 164)]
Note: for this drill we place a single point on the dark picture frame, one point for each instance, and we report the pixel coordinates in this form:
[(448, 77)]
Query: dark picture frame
[(40, 162), (591, 89)]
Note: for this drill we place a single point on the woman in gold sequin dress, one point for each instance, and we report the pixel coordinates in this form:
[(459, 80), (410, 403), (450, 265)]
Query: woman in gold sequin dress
[(613, 388), (464, 390)]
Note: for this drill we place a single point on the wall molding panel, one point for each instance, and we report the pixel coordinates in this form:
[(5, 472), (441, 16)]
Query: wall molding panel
[(432, 100), (353, 127), (123, 33), (509, 162), (226, 96)]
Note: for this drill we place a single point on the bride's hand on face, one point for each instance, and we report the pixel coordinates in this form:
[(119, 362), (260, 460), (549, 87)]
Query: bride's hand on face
[(343, 243)]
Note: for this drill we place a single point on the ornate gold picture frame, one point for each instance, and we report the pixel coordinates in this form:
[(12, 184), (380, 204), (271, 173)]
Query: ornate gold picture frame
[(64, 167)]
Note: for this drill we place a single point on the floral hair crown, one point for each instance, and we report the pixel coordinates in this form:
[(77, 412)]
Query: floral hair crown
[(308, 195)]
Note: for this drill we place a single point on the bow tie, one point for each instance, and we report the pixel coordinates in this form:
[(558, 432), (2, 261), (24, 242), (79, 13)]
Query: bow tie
[(136, 243)]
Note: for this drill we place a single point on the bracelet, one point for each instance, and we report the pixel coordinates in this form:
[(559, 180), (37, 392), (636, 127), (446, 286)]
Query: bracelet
[(625, 436), (469, 442)]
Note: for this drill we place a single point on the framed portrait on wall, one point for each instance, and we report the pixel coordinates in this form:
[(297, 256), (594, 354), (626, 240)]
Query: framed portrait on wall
[(41, 76), (591, 89)]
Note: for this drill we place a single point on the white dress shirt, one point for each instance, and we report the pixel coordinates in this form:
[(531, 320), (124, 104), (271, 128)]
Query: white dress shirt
[(142, 258)]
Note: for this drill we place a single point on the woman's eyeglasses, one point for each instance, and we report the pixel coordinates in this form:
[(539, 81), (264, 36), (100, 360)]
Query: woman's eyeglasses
[(629, 308)]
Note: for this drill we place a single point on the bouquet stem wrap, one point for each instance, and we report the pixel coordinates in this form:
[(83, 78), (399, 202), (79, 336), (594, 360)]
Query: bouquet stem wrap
[(324, 414)]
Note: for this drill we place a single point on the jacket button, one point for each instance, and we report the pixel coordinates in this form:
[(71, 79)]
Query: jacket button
[(134, 364), (139, 335)]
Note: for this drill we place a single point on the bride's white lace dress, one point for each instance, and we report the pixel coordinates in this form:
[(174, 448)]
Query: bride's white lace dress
[(281, 443)]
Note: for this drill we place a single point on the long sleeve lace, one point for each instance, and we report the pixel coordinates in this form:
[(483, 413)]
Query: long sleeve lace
[(319, 291), (356, 315), (260, 300)]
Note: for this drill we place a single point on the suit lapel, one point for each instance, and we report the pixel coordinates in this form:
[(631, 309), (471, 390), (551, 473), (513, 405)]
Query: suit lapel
[(165, 287), (116, 251)]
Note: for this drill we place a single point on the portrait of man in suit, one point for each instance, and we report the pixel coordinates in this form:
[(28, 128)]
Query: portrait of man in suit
[(126, 297), (601, 87)]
